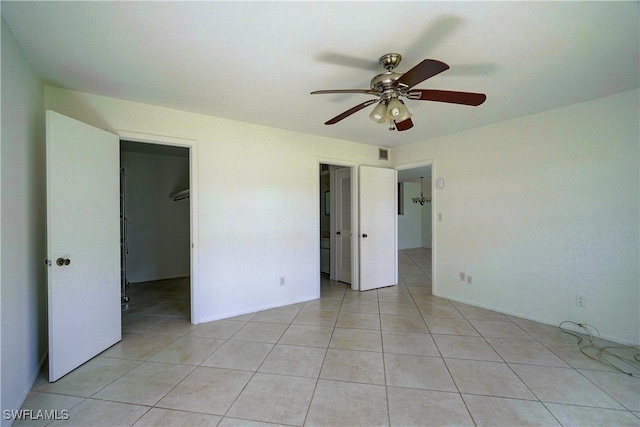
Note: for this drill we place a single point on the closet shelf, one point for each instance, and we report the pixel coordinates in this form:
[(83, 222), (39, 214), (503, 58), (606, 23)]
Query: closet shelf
[(180, 195)]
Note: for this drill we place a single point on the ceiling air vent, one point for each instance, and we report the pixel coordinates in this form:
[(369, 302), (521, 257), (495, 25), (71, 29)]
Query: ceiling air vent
[(383, 153)]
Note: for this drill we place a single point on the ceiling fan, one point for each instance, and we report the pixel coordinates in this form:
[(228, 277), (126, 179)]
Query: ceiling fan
[(390, 86)]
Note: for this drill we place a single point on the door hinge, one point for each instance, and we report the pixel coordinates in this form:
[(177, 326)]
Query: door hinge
[(47, 262)]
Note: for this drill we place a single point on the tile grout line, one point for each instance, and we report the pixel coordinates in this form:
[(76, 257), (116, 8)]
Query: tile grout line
[(315, 387)]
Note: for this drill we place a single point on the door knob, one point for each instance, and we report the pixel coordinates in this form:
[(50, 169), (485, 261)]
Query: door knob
[(62, 261), (338, 232), (364, 235)]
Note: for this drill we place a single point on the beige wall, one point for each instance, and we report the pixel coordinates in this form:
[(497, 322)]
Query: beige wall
[(410, 224), (541, 209), (537, 210), (257, 203), (157, 227), (23, 283)]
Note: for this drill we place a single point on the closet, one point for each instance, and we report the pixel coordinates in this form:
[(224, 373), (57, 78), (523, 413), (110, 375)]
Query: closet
[(155, 213)]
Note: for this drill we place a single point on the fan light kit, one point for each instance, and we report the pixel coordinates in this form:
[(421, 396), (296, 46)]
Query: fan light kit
[(390, 86)]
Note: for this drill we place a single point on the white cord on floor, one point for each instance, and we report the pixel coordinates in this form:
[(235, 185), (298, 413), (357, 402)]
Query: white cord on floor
[(602, 353)]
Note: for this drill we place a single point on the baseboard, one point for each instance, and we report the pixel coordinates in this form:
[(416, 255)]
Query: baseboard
[(256, 309), (534, 319), (160, 279)]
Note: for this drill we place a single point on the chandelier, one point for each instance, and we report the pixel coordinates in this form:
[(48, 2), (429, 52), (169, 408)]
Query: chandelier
[(421, 199)]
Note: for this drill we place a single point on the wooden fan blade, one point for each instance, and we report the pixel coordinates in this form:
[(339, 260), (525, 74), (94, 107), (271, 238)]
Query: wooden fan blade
[(465, 98), (404, 125), (421, 72), (350, 111), (365, 91)]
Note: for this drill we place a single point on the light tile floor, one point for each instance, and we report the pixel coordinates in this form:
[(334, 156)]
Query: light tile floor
[(394, 356)]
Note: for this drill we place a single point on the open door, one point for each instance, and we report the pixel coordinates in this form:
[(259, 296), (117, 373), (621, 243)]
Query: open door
[(378, 224), (83, 242), (342, 184)]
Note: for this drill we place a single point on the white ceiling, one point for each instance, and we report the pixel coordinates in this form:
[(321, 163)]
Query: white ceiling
[(258, 61)]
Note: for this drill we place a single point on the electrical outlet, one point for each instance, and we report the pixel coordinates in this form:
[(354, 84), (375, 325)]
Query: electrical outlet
[(468, 280), (463, 276), (581, 301), (281, 280)]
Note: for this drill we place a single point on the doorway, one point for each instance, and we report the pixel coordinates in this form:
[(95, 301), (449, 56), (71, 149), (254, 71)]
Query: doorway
[(155, 235), (336, 223), (415, 224), (368, 210)]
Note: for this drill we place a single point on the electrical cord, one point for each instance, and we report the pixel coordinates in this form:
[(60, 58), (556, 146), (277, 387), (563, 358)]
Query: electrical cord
[(603, 354)]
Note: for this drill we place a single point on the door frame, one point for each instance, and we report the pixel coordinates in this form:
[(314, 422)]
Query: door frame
[(355, 251), (192, 145), (434, 240)]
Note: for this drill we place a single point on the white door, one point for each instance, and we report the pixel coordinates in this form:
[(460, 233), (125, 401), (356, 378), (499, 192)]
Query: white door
[(378, 223), (83, 242), (343, 224)]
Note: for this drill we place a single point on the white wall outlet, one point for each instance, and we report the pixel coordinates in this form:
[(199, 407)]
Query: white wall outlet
[(281, 280), (468, 280), (581, 301), (463, 276)]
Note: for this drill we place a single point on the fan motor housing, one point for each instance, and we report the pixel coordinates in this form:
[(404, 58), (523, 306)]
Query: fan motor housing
[(384, 81)]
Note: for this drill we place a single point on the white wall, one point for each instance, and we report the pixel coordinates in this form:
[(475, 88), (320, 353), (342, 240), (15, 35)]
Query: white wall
[(157, 227), (542, 208), (258, 198), (23, 282), (414, 227), (426, 214), (410, 224)]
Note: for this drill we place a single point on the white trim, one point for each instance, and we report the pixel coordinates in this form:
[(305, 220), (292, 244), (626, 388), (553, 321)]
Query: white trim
[(192, 144), (434, 204)]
